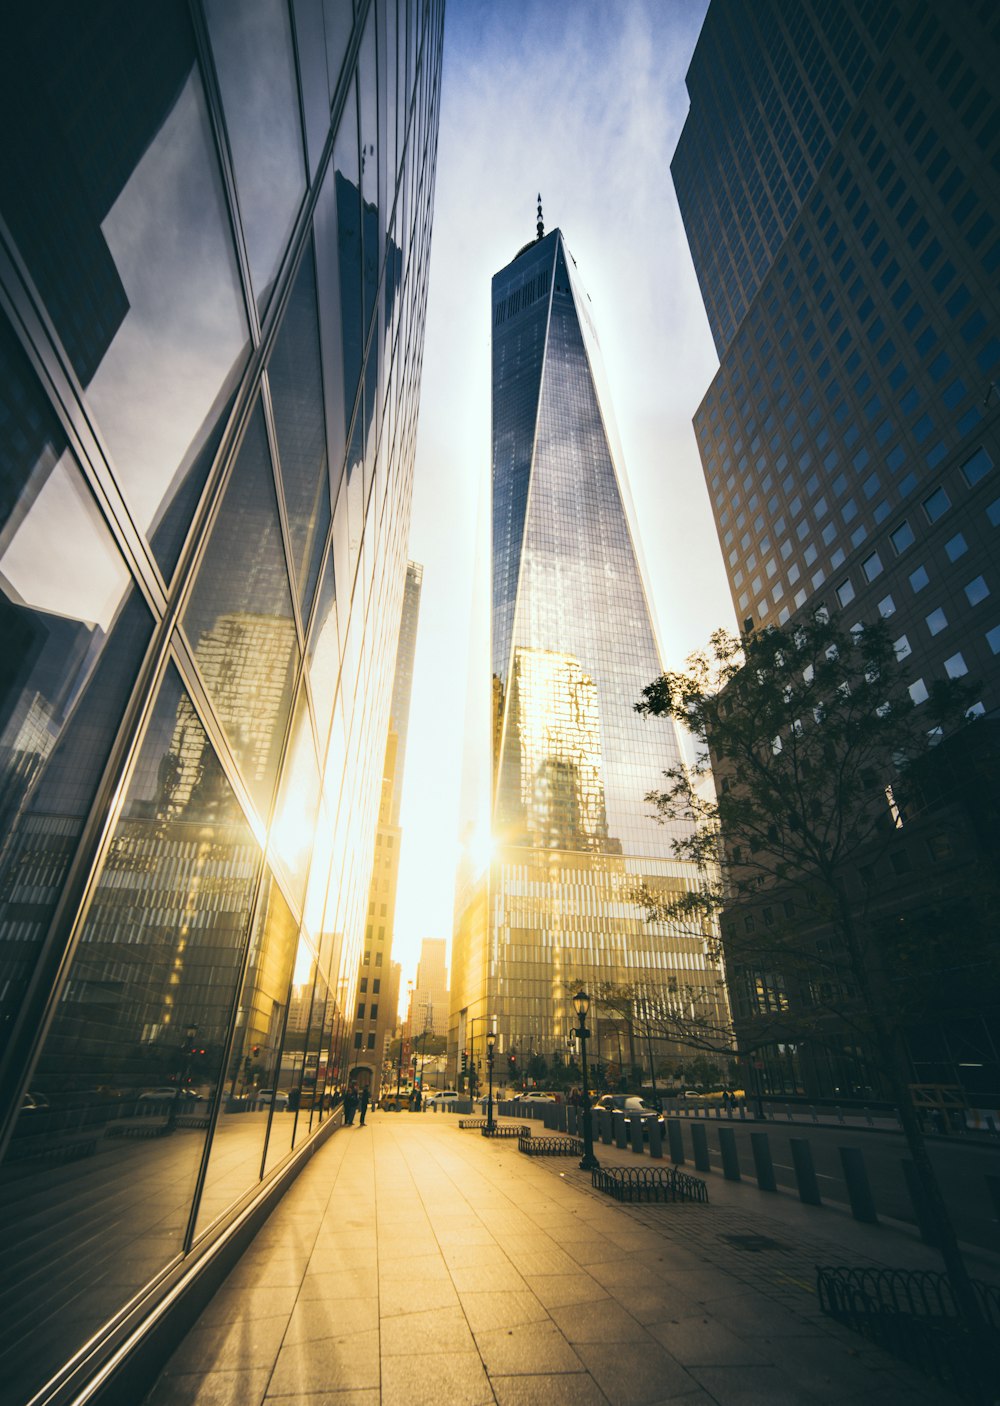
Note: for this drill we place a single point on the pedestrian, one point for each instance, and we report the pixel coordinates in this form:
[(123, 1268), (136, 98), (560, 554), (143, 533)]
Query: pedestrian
[(294, 1098), (350, 1103), (362, 1105)]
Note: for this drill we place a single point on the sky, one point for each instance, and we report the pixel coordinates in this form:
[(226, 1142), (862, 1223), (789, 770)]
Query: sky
[(582, 101)]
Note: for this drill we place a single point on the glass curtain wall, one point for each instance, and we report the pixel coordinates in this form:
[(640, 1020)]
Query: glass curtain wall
[(573, 646), (214, 238)]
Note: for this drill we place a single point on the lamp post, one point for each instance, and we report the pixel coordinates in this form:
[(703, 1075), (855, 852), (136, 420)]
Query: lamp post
[(581, 1004), (491, 1040)]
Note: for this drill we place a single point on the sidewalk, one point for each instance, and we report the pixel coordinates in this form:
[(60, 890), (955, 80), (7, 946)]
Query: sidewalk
[(414, 1264)]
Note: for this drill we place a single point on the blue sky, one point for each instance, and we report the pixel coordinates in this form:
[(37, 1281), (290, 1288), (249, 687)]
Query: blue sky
[(582, 101)]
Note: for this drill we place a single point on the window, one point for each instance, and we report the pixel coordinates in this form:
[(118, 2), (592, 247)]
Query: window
[(358, 1037), (977, 467), (977, 590), (845, 592), (955, 667), (902, 538), (901, 647), (872, 566), (886, 607), (374, 1011), (936, 505), (361, 1010), (371, 1040), (918, 579), (918, 691), (936, 621), (993, 639), (956, 547)]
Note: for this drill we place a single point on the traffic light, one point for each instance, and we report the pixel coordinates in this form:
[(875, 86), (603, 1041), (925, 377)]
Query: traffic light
[(465, 1061), (512, 1062), (256, 1051)]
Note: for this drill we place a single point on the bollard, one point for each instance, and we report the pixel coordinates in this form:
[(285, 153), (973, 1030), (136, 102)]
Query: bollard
[(605, 1121), (676, 1140), (763, 1166), (621, 1131), (561, 1111), (572, 1118), (805, 1172), (730, 1155), (858, 1187), (655, 1130), (699, 1145), (635, 1135), (925, 1223)]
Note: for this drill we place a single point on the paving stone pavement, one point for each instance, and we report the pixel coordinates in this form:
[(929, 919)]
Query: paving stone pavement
[(414, 1264)]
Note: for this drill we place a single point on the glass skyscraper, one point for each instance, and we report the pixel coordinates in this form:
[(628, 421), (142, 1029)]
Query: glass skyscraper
[(837, 176), (572, 648), (214, 235)]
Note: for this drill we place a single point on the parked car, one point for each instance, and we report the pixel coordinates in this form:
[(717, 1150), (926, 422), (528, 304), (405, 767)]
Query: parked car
[(277, 1097), (632, 1106), (534, 1096), (441, 1099)]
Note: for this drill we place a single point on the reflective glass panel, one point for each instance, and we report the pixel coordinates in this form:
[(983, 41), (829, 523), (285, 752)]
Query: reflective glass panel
[(294, 824), (323, 650), (253, 1084), (316, 1067), (293, 1056), (74, 630), (239, 617), (99, 1178), (296, 382), (113, 194), (252, 48)]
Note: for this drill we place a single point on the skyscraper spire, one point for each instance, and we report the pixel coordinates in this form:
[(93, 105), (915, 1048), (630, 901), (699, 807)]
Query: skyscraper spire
[(540, 226)]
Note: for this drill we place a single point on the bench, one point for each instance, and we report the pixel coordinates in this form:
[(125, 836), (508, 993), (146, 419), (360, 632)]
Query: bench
[(551, 1146), (138, 1127), (649, 1184)]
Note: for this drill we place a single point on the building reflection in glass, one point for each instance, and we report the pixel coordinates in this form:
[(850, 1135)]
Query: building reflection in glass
[(211, 330)]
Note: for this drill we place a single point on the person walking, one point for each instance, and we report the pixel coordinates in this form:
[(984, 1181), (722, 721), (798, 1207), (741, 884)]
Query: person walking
[(362, 1105), (350, 1103)]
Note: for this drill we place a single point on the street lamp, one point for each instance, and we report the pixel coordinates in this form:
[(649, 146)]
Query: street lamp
[(491, 1040), (581, 1004)]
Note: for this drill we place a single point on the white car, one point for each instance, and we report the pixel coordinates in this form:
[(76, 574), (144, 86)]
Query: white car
[(441, 1098)]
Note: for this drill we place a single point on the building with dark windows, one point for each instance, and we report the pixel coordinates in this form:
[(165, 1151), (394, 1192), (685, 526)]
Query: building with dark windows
[(214, 237), (375, 1016), (572, 648), (838, 181)]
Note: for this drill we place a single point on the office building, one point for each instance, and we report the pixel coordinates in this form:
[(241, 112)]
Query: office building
[(214, 239), (573, 646), (837, 177), (428, 1013), (375, 1016)]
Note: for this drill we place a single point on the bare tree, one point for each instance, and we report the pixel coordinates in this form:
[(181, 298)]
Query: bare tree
[(814, 740)]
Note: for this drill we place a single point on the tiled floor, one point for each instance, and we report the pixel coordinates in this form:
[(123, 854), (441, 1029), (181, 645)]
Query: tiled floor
[(413, 1264)]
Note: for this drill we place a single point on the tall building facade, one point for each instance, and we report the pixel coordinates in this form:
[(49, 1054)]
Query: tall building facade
[(375, 1017), (838, 180), (428, 1013), (214, 240), (572, 648)]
